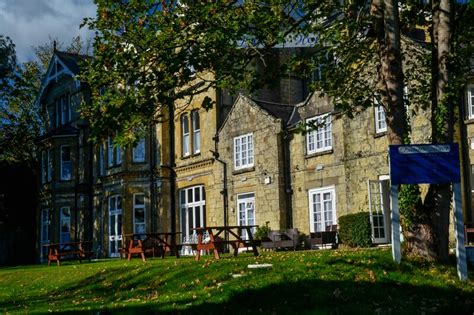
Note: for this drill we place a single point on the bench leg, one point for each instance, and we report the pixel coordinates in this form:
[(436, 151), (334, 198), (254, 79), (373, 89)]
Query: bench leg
[(143, 256)]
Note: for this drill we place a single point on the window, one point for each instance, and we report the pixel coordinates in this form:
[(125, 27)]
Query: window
[(45, 231), (319, 138), (49, 168), (65, 225), (114, 153), (185, 135), (196, 128), (118, 155), (380, 122), (139, 151), (139, 225), (66, 164), (322, 208), (101, 160), (65, 113), (115, 225), (243, 151), (192, 209), (43, 167), (470, 101), (246, 211)]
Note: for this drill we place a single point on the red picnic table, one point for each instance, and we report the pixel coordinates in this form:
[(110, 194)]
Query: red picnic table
[(162, 241), (234, 231), (56, 251)]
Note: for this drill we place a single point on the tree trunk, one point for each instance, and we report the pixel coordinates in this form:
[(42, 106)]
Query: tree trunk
[(428, 236), (390, 74)]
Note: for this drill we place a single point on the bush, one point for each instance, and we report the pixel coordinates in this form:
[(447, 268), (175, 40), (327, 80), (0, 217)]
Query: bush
[(261, 232), (355, 230)]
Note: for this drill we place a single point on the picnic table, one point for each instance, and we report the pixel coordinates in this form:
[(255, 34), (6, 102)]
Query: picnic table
[(80, 249), (140, 243), (214, 240)]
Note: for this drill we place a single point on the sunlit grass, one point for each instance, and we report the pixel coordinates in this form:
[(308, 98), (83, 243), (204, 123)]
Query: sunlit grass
[(305, 282)]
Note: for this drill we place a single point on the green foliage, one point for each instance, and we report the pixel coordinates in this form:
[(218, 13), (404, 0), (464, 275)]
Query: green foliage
[(20, 117), (354, 229), (262, 232), (409, 201)]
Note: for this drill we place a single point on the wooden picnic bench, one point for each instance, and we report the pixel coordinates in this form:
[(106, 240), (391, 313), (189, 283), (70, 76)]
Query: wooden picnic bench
[(80, 249), (215, 241), (154, 243)]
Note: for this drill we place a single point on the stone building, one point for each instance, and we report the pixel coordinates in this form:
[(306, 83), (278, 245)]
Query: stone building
[(90, 191), (240, 162)]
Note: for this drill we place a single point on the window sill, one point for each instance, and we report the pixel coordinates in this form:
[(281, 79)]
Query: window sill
[(243, 170), (139, 162), (380, 134), (185, 157), (329, 151), (469, 121)]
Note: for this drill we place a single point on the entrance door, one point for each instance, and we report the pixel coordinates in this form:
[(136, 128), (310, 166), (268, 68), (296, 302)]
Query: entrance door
[(246, 207), (193, 211), (115, 225), (379, 200)]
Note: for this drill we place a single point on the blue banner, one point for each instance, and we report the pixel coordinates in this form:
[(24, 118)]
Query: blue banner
[(424, 164)]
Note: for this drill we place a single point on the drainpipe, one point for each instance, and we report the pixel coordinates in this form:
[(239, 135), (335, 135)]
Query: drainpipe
[(287, 177), (152, 164), (172, 165), (91, 191), (465, 161), (224, 191)]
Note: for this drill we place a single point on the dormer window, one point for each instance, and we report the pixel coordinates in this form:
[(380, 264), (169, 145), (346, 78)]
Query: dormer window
[(63, 113)]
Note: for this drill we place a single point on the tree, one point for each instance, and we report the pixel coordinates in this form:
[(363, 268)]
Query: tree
[(156, 53), (20, 118)]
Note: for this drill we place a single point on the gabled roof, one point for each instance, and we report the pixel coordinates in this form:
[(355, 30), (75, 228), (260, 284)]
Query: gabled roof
[(71, 60), (286, 112), (61, 63)]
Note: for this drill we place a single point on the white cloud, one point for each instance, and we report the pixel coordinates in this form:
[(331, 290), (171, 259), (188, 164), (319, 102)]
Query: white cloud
[(30, 23)]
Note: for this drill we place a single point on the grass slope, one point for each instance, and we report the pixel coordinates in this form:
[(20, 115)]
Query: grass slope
[(307, 282)]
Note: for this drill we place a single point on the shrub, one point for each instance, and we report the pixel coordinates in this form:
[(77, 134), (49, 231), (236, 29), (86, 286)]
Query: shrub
[(261, 232), (355, 230)]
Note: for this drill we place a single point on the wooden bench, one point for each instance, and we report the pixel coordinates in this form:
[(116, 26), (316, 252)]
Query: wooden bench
[(80, 249)]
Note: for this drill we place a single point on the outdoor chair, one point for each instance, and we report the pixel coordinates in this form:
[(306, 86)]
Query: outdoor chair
[(280, 240), (324, 238)]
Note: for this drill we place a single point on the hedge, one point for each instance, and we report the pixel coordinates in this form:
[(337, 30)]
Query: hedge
[(355, 230)]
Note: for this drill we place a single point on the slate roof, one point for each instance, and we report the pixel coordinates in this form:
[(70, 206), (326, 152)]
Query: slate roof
[(286, 112), (71, 60)]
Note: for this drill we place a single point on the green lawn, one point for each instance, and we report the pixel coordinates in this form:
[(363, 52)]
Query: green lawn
[(305, 282)]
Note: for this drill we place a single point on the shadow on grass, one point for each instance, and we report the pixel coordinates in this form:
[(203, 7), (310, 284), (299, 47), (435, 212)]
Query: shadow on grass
[(318, 297)]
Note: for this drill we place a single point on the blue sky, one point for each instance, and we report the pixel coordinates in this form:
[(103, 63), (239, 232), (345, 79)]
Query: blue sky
[(31, 22)]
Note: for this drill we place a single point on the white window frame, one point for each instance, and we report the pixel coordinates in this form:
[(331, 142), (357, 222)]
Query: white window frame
[(185, 135), (196, 130), (243, 152), (139, 207), (245, 199), (63, 176), (196, 204), (319, 139), (62, 220), (321, 191), (470, 100), (379, 117), (116, 237), (138, 151)]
